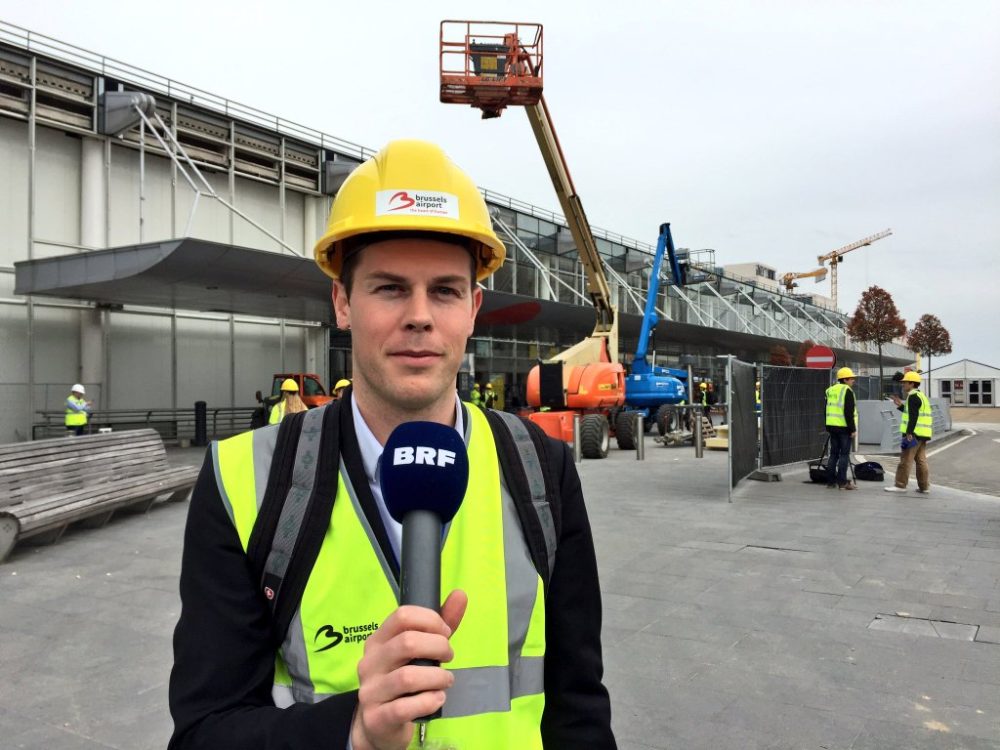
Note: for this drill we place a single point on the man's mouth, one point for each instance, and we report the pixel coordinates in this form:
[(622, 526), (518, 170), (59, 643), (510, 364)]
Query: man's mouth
[(416, 354)]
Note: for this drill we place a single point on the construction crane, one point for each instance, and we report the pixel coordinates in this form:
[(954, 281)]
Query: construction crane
[(789, 279), (491, 65), (836, 257)]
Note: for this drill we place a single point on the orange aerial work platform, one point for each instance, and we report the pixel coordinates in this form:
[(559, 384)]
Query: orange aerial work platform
[(491, 65)]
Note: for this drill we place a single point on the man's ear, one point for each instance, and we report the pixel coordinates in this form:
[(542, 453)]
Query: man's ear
[(341, 306), (477, 302)]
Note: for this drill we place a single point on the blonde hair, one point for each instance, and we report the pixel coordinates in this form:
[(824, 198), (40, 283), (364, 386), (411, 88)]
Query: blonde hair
[(293, 403)]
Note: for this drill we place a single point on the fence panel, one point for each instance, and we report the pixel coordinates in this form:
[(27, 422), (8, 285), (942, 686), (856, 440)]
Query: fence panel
[(793, 414), (742, 421)]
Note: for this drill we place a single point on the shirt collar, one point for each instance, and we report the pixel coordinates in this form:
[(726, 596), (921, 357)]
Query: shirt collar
[(371, 448)]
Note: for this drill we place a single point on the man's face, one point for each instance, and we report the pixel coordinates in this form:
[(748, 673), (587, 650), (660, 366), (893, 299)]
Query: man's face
[(412, 308), (851, 381)]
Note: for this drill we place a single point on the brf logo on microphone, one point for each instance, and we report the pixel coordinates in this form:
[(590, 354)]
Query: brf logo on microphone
[(422, 454)]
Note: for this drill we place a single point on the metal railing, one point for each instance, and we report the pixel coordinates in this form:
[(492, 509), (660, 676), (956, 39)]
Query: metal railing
[(173, 425)]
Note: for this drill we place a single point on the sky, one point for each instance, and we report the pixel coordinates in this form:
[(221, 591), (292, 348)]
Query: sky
[(769, 131)]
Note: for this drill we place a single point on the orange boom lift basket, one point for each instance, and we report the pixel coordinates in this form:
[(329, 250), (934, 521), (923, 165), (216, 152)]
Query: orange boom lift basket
[(488, 65)]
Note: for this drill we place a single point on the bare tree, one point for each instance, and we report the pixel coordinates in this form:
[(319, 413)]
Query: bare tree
[(931, 339), (876, 321)]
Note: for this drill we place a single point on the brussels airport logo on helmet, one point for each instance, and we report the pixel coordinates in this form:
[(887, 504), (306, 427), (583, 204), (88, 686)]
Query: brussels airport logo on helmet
[(416, 203)]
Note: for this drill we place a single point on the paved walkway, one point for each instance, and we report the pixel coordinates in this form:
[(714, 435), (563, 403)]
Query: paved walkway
[(795, 617)]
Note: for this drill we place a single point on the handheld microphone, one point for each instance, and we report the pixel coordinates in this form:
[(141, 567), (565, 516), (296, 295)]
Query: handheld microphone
[(424, 475)]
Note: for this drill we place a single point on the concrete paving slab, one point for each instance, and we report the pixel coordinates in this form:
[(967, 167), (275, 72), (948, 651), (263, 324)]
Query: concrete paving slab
[(741, 625)]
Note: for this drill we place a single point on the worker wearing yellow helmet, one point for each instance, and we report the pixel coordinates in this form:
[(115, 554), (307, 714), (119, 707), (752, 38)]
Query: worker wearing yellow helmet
[(291, 402), (916, 430), (842, 426), (338, 389), (706, 399), (409, 237)]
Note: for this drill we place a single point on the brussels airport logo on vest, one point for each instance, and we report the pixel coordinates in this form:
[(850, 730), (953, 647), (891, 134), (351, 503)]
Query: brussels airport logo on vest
[(347, 634), (416, 203), (421, 454)]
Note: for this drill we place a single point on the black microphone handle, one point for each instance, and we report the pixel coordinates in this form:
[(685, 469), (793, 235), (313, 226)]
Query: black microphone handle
[(420, 570)]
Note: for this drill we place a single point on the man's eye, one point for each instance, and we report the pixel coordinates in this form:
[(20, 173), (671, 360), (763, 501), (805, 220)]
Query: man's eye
[(388, 288), (449, 291)]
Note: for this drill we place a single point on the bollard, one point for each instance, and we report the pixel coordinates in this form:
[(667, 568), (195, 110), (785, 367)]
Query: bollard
[(577, 452), (640, 437), (699, 449), (200, 424)]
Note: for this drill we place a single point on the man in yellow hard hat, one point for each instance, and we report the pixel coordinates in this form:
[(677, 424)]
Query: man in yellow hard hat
[(409, 236), (842, 425), (291, 402), (78, 410), (340, 387), (489, 396), (916, 430)]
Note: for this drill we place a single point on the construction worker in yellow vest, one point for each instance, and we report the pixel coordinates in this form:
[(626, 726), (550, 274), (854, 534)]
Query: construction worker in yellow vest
[(78, 410), (841, 425), (291, 402), (916, 430), (476, 396), (409, 237), (340, 387)]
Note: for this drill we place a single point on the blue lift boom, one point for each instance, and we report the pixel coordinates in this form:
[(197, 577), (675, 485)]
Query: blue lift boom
[(651, 389)]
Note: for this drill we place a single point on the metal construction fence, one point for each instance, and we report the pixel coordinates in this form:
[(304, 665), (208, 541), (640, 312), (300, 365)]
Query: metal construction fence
[(793, 414), (172, 424), (743, 432)]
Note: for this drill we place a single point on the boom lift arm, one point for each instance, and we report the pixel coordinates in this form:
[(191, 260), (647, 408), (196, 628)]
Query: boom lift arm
[(492, 65)]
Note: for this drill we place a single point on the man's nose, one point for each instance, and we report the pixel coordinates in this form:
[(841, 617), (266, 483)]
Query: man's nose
[(418, 312)]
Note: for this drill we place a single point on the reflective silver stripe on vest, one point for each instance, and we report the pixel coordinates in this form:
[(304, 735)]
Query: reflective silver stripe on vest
[(293, 652), (488, 689), (222, 487), (536, 481), (372, 539), (294, 510), (264, 440)]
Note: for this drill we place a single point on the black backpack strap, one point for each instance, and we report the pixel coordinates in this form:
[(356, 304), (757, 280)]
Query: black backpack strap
[(529, 478), (296, 509)]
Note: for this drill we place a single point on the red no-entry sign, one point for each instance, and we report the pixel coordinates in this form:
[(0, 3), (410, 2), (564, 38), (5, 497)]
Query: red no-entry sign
[(820, 357)]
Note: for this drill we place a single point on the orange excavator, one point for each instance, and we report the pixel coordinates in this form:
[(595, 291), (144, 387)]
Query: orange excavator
[(491, 65)]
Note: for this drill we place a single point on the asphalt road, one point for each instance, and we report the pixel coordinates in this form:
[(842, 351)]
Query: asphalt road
[(970, 462)]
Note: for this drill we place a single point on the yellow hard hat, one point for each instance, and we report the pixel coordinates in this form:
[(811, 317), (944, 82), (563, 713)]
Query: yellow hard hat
[(703, 386), (489, 386), (342, 383), (410, 186), (845, 372), (289, 385), (911, 377)]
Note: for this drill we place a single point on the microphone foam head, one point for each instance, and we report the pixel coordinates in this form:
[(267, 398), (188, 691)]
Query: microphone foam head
[(425, 466)]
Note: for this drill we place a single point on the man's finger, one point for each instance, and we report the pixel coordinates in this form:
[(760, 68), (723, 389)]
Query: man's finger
[(453, 609), (409, 617)]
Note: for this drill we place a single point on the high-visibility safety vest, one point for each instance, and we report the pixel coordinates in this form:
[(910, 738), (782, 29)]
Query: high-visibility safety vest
[(704, 398), (498, 696), (925, 419), (835, 416), (277, 412), (76, 414)]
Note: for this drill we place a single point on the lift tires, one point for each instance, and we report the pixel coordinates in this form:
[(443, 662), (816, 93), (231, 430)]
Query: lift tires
[(666, 418), (594, 437), (625, 430)]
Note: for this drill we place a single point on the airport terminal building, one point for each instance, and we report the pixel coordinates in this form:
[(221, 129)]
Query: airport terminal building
[(156, 242)]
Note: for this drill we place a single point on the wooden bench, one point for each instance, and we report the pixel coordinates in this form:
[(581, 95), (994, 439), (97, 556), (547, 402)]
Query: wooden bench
[(46, 485)]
